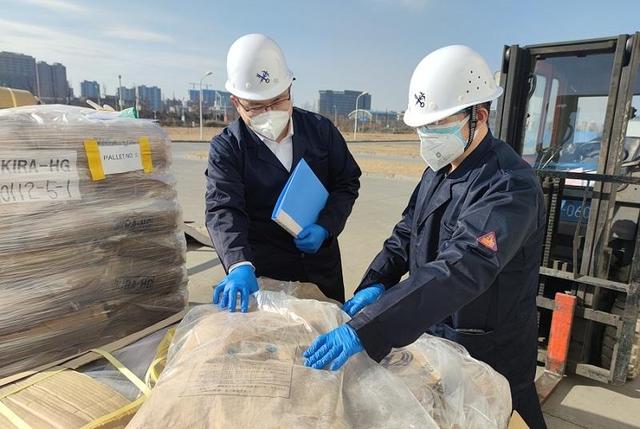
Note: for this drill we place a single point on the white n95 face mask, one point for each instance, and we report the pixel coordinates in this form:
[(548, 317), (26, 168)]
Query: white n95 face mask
[(440, 145), (270, 124)]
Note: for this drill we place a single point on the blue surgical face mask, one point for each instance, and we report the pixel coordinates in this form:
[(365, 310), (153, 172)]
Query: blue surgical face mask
[(440, 145)]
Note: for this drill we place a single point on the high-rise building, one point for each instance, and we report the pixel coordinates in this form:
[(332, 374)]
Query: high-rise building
[(150, 98), (53, 86), (90, 89), (60, 82), (341, 103), (211, 97), (18, 71), (128, 96), (45, 81)]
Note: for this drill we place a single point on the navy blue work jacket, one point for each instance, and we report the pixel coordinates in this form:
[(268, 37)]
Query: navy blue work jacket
[(244, 180), (471, 242)]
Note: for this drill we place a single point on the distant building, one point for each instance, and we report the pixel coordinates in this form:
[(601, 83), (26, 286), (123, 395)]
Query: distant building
[(90, 89), (341, 103), (18, 71), (110, 100), (150, 98), (210, 98), (387, 118), (174, 106), (53, 86), (224, 99), (128, 97)]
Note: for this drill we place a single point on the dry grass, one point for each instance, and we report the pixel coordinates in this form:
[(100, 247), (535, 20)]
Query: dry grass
[(375, 167), (390, 168), (381, 137), (386, 149), (178, 134)]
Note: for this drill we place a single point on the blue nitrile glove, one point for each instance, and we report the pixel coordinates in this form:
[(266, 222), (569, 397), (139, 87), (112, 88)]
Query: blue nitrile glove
[(335, 346), (311, 238), (240, 280), (360, 300)]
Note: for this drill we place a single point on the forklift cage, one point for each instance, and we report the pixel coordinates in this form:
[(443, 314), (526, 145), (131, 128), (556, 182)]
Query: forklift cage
[(586, 274)]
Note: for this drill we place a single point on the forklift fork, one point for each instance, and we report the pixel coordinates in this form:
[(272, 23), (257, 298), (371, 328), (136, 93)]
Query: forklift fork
[(558, 348)]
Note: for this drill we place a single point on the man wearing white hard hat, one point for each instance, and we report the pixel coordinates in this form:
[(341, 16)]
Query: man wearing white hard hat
[(250, 162), (470, 240)]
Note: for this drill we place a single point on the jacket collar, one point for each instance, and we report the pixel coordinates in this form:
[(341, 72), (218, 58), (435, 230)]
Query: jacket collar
[(472, 160), (439, 188)]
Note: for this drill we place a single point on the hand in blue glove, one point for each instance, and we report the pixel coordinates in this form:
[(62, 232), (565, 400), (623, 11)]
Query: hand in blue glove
[(311, 238), (335, 346), (241, 280), (360, 300)]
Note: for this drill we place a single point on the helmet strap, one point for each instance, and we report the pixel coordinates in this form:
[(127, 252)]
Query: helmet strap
[(473, 122)]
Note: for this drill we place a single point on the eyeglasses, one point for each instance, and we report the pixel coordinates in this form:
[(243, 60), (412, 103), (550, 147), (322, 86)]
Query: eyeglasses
[(278, 103)]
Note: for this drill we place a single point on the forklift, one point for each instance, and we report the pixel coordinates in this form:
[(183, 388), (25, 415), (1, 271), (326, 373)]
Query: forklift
[(572, 110)]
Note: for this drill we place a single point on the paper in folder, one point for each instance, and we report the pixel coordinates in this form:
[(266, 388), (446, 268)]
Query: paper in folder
[(301, 200)]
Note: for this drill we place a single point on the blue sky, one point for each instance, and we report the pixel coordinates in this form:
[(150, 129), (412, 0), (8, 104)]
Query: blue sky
[(370, 45)]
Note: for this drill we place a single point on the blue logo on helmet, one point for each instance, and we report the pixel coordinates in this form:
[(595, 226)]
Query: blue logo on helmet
[(264, 76)]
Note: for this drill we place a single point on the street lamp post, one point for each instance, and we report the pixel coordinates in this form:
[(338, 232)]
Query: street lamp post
[(355, 119), (209, 73), (120, 91)]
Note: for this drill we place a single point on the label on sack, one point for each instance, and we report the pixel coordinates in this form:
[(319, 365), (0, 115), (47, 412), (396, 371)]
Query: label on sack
[(38, 176), (239, 377), (106, 158)]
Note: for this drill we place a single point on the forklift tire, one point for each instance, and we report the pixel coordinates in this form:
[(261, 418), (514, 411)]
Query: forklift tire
[(609, 340)]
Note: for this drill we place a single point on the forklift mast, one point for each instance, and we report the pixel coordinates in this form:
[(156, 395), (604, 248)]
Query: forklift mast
[(572, 110)]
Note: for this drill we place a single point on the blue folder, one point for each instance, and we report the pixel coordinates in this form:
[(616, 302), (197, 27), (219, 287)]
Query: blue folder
[(301, 200)]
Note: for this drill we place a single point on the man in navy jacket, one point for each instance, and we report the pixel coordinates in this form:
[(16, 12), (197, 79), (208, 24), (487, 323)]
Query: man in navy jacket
[(470, 240), (249, 164)]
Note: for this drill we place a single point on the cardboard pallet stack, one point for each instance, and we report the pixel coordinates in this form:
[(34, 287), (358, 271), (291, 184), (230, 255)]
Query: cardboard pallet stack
[(65, 399), (89, 232)]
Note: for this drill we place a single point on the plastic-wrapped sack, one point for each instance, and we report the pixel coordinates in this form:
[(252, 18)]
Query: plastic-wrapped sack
[(245, 370), (89, 232), (457, 390), (235, 370)]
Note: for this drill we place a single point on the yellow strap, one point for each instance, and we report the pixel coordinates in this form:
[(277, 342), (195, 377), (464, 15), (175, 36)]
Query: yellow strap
[(13, 417), (13, 97), (152, 375), (116, 415), (93, 158), (145, 152), (124, 371)]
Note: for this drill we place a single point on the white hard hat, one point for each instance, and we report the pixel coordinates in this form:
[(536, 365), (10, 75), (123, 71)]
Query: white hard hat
[(256, 68), (446, 81)]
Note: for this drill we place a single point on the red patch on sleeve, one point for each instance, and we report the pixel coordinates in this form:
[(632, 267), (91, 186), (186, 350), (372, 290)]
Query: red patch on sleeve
[(489, 241)]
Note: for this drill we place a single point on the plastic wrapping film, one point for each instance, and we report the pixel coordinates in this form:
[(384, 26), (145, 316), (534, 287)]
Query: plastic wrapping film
[(457, 390), (89, 232), (245, 370), (137, 357)]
